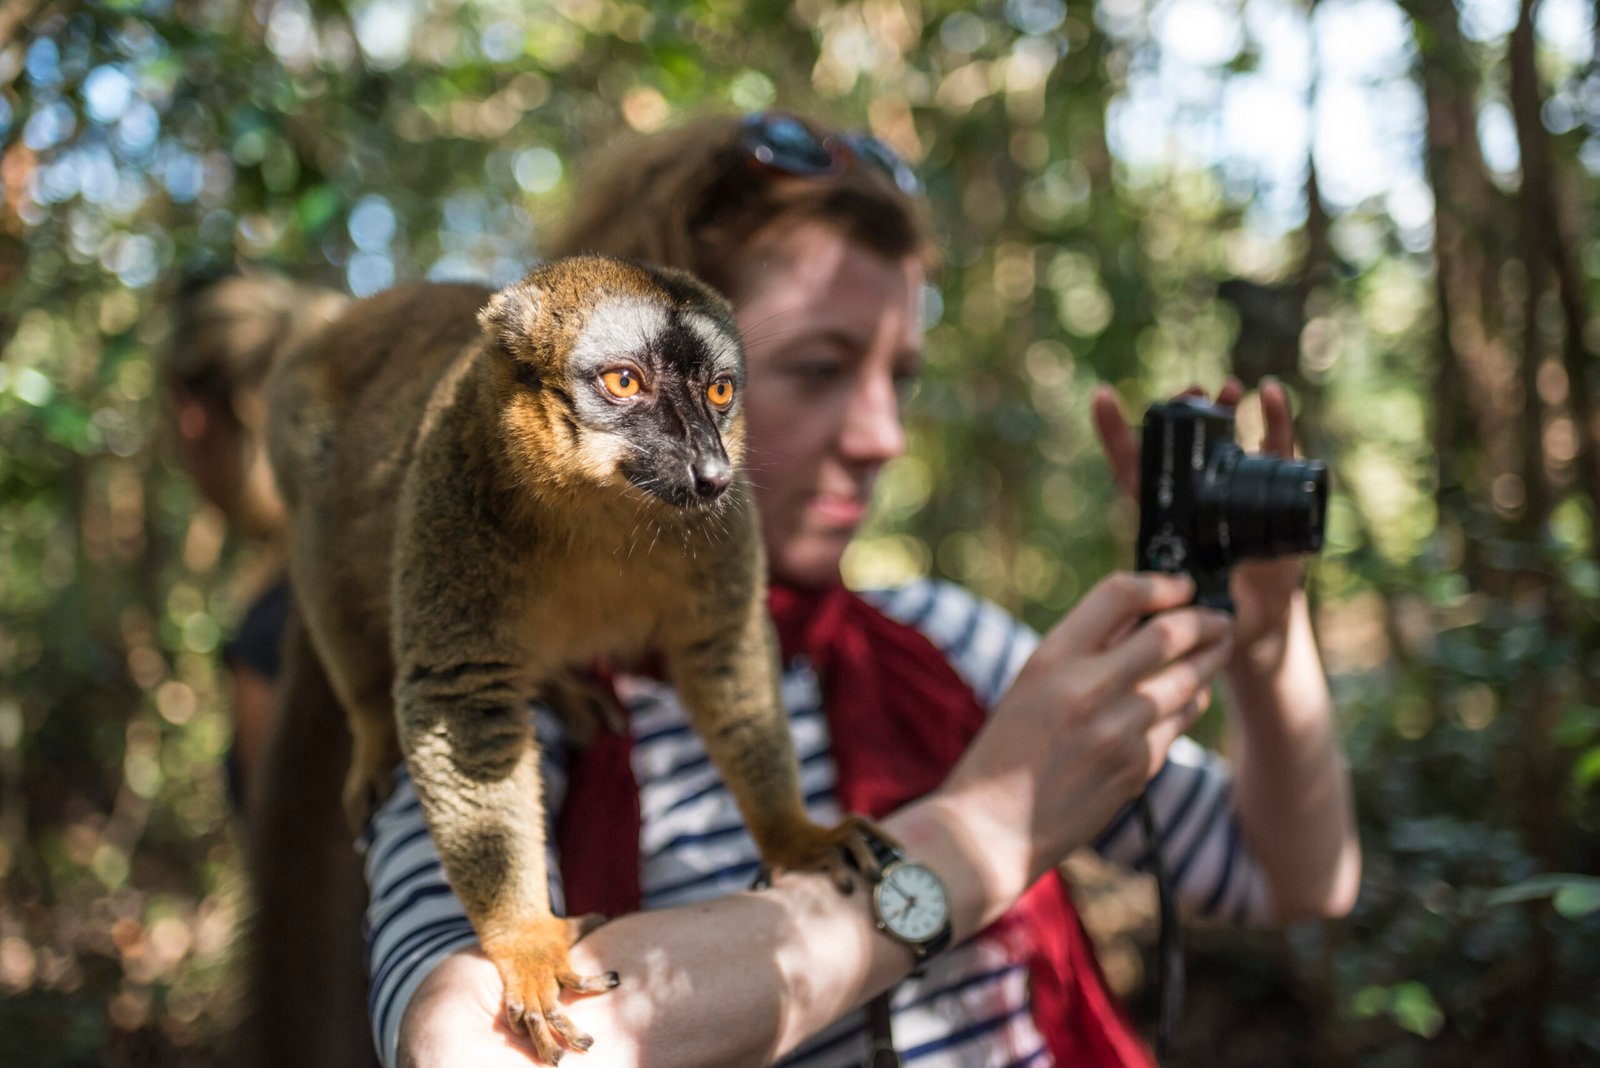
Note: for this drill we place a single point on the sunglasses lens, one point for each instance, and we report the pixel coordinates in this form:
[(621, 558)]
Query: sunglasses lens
[(784, 142), (872, 150)]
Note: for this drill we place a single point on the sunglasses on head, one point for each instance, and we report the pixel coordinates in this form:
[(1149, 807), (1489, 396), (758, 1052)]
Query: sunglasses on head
[(781, 142)]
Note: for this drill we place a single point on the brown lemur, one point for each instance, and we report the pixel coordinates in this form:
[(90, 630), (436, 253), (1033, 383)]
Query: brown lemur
[(488, 491)]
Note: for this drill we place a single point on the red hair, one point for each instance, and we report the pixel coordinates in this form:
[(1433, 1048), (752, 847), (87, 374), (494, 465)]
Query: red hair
[(691, 198)]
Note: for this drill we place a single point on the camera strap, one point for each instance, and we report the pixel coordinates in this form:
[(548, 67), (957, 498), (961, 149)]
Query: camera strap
[(1169, 943), (880, 1033)]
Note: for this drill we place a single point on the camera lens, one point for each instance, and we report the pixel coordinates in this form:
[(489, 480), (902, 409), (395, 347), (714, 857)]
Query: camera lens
[(1264, 506)]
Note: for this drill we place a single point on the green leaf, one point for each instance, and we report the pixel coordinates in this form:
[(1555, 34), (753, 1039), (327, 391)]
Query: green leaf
[(68, 425), (1415, 1010), (1369, 1001), (1578, 900), (1579, 890), (1587, 769), (1584, 575), (1577, 725), (316, 208)]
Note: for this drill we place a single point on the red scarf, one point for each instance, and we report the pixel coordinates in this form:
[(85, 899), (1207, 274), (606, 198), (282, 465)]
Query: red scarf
[(899, 717)]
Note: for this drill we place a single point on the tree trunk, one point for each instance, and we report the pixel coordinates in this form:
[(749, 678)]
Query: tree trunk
[(1540, 789), (1474, 420)]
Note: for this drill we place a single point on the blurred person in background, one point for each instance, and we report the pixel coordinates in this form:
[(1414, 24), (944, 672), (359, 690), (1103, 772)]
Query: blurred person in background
[(989, 752), (302, 950), (227, 330)]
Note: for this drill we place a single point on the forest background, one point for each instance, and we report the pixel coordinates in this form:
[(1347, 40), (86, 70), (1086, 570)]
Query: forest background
[(1388, 204)]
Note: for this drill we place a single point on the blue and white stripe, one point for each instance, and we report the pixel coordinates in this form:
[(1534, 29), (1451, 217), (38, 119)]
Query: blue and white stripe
[(971, 1006), (985, 645)]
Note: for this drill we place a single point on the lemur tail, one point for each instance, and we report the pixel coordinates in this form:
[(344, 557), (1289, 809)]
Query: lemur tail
[(307, 977)]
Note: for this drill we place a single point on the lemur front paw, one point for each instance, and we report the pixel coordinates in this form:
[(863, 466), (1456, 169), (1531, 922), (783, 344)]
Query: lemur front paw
[(841, 850), (534, 965)]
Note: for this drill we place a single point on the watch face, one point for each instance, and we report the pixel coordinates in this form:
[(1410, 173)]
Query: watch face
[(911, 902)]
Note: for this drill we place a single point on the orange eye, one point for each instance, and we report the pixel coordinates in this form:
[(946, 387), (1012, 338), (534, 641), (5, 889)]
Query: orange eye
[(621, 384), (720, 392)]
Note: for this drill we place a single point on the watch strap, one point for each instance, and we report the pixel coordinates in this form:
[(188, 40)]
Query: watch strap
[(884, 852)]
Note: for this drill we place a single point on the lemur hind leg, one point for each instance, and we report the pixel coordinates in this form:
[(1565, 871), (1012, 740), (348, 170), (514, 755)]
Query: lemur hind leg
[(363, 678), (374, 748), (370, 780), (583, 706)]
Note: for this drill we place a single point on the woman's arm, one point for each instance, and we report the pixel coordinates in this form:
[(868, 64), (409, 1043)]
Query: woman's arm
[(738, 981), (744, 979), (1291, 784)]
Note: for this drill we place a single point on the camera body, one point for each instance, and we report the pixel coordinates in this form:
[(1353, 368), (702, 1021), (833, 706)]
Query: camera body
[(1205, 504)]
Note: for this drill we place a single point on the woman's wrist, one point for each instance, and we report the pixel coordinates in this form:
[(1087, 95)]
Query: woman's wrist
[(1281, 678), (983, 878), (1254, 666), (454, 1017), (985, 865)]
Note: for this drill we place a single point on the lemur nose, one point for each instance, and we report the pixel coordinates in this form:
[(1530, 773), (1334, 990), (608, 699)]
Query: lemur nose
[(711, 476)]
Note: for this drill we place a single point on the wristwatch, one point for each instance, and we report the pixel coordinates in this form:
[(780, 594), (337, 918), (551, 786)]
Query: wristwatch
[(909, 901)]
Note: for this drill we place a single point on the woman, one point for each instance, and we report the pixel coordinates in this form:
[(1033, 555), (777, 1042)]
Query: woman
[(823, 253)]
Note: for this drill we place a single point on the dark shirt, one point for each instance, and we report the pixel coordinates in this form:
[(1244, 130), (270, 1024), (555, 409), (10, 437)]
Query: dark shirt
[(257, 645), (260, 635)]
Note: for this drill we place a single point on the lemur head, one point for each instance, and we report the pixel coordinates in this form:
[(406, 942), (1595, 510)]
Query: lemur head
[(615, 373)]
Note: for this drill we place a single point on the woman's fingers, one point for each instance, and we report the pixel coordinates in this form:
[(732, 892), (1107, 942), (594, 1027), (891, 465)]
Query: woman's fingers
[(1116, 437), (1277, 420), (1182, 682), (1165, 731), (1121, 598), (1165, 638), (1161, 640), (1150, 715)]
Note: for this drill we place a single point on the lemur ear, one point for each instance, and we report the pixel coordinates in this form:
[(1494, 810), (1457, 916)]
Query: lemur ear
[(512, 315)]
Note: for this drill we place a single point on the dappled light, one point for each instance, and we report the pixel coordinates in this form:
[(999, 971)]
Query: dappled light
[(1388, 205)]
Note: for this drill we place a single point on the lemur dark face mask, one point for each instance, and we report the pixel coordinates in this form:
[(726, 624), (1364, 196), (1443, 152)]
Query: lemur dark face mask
[(650, 393)]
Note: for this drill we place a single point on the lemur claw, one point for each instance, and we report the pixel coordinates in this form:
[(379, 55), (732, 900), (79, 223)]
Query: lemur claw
[(534, 966), (841, 851)]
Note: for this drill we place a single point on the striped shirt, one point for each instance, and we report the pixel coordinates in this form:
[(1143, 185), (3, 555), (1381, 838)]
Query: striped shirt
[(969, 1008)]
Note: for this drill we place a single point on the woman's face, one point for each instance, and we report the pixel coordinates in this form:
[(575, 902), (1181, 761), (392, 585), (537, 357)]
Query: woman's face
[(832, 335)]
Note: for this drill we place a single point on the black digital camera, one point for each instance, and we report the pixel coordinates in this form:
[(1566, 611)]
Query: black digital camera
[(1205, 504)]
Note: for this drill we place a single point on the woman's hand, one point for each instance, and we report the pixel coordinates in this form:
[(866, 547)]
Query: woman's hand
[(1087, 723), (455, 1018), (1263, 590)]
